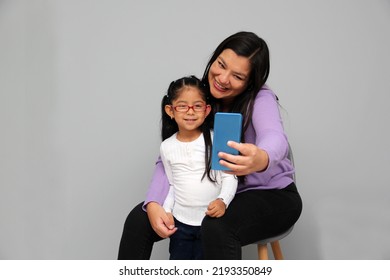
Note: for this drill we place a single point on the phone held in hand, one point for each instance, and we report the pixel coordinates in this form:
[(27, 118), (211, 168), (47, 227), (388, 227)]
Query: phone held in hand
[(227, 127)]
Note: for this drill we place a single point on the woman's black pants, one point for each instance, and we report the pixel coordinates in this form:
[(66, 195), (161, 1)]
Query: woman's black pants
[(251, 216)]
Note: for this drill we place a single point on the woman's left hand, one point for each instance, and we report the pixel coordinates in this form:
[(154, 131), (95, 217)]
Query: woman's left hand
[(251, 159)]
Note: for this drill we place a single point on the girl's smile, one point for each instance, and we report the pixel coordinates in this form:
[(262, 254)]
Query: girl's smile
[(189, 111)]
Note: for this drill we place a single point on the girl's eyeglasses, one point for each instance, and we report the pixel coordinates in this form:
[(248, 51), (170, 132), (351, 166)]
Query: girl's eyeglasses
[(185, 108)]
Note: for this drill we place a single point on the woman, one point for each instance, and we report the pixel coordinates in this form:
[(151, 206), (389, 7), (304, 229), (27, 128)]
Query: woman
[(267, 201)]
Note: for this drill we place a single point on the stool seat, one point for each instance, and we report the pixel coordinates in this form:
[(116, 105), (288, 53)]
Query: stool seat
[(262, 247)]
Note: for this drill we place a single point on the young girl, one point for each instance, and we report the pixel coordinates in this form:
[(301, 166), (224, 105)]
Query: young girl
[(195, 190)]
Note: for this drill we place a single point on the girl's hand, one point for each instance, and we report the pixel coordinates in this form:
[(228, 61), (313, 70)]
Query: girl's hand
[(160, 220), (216, 208), (251, 159)]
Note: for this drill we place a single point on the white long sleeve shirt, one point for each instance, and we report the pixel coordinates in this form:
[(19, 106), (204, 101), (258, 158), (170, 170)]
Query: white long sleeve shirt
[(189, 196)]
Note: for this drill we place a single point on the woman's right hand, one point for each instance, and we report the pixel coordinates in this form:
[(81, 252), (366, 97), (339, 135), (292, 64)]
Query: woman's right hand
[(161, 222), (251, 159)]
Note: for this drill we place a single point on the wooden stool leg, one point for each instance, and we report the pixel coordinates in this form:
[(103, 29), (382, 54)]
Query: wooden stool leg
[(262, 251), (277, 250)]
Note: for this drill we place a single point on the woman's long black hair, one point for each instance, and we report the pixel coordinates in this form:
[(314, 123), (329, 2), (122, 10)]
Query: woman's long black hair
[(249, 45), (169, 126)]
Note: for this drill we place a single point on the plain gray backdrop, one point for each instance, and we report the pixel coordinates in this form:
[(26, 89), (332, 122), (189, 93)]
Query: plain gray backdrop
[(80, 89)]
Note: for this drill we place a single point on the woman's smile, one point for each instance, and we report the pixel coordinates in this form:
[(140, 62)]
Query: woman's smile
[(228, 75)]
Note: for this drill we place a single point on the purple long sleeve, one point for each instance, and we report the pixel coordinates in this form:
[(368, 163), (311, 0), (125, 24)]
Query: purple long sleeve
[(159, 186), (266, 132)]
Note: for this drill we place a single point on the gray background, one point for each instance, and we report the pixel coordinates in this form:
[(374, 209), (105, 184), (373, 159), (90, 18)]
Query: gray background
[(80, 90)]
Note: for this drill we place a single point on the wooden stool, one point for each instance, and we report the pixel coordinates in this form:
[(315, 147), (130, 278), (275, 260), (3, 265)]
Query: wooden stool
[(262, 246)]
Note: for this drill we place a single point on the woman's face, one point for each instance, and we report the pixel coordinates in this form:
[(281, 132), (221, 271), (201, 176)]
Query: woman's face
[(229, 75)]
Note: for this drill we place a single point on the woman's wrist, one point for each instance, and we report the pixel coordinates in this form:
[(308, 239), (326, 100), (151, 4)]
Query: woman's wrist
[(150, 205), (263, 160)]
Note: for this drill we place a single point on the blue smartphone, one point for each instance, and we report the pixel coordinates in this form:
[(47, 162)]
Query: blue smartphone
[(227, 127)]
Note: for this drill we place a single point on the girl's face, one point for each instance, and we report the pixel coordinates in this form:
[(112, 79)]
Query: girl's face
[(189, 111), (229, 75)]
